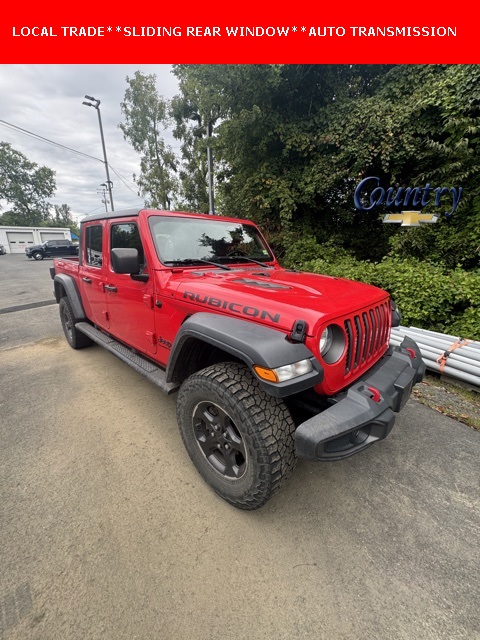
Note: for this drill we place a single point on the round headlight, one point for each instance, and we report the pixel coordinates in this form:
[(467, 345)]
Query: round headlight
[(332, 344), (326, 340)]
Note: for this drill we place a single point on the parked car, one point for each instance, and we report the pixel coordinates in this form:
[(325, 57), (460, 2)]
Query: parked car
[(3, 251), (52, 248)]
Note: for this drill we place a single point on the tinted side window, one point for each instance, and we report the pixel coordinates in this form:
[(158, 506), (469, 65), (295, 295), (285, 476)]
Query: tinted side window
[(127, 236), (93, 245)]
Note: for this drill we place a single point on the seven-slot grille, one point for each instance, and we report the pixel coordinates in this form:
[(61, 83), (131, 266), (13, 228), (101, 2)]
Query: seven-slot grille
[(367, 334)]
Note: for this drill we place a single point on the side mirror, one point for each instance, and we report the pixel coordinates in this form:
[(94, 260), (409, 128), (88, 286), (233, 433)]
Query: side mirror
[(125, 261)]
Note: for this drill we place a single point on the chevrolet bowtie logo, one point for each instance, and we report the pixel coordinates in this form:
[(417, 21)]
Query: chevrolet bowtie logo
[(411, 218)]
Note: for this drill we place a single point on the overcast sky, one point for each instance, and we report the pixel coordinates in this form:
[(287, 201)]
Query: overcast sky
[(47, 100)]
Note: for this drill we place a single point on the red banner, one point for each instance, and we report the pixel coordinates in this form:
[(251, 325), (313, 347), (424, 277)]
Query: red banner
[(244, 33)]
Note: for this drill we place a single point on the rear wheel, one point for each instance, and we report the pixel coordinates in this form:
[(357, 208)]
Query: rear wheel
[(75, 338), (239, 438)]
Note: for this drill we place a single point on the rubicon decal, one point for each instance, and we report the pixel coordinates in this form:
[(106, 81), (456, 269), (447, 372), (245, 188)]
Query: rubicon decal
[(369, 194), (235, 307)]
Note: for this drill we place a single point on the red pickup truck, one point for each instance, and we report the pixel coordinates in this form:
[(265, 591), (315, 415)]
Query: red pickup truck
[(270, 364)]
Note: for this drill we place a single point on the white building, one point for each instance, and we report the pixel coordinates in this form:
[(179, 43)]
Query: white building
[(16, 239)]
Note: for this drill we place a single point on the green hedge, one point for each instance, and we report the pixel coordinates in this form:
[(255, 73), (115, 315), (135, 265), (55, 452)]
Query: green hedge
[(428, 294)]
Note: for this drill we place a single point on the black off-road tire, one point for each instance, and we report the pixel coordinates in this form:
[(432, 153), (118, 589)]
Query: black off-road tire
[(75, 338), (240, 439), (38, 256)]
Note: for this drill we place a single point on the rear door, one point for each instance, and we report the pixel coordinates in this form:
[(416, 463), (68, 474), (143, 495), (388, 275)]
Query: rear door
[(57, 248), (92, 274), (130, 302), (62, 248)]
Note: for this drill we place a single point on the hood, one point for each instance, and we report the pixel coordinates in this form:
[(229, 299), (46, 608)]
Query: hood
[(275, 296)]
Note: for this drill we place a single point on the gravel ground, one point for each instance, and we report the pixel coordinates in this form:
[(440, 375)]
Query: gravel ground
[(450, 399)]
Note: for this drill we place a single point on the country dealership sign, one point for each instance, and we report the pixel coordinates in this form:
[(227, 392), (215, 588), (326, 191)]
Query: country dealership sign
[(369, 194)]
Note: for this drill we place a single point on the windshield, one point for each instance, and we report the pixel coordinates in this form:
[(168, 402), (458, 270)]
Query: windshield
[(180, 240)]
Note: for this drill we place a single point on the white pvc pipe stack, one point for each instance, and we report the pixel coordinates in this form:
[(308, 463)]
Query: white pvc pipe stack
[(462, 363)]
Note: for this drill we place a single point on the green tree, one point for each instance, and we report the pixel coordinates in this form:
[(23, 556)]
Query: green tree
[(444, 122), (146, 116), (292, 141), (26, 187), (62, 217), (406, 124), (266, 146), (193, 110)]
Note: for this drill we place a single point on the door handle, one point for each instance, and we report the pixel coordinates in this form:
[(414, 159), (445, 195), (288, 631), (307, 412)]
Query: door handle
[(87, 280), (110, 287)]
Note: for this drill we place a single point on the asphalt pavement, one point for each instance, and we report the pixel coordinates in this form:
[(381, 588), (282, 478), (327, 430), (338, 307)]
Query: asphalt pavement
[(108, 532)]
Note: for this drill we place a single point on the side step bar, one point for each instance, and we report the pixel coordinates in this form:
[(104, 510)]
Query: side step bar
[(151, 371)]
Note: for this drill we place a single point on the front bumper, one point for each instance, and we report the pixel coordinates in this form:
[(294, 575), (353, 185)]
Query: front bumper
[(365, 413)]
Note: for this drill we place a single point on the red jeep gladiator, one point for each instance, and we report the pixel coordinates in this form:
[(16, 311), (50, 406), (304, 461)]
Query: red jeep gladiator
[(270, 364)]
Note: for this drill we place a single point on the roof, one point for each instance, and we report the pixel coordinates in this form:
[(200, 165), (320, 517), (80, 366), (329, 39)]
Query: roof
[(128, 213), (125, 213)]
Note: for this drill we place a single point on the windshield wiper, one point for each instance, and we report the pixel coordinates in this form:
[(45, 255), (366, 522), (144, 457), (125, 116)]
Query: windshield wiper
[(248, 259), (188, 261)]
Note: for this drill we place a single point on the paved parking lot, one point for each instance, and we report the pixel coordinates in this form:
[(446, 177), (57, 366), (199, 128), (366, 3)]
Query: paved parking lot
[(107, 530), (26, 284)]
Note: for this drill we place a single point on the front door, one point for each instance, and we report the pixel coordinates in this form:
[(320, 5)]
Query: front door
[(130, 302)]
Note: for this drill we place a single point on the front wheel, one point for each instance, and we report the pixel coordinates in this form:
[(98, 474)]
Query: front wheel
[(38, 255), (239, 438)]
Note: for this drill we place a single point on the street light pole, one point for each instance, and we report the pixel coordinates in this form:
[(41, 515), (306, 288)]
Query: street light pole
[(96, 105), (211, 200)]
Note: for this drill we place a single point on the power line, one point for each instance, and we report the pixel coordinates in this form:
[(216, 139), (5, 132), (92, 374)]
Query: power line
[(122, 179), (46, 140), (62, 146)]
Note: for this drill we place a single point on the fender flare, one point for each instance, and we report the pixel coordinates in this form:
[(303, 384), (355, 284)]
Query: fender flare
[(70, 286), (252, 343)]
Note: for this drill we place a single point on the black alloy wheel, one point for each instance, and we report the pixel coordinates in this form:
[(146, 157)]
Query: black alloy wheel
[(240, 439), (219, 440)]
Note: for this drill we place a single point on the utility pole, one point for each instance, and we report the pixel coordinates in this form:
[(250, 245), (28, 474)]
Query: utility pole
[(211, 202), (95, 103), (103, 192)]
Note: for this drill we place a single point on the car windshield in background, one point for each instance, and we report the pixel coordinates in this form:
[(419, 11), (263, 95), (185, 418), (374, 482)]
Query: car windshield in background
[(181, 240)]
